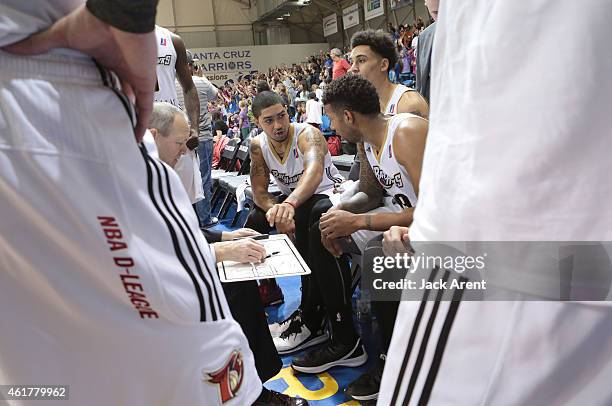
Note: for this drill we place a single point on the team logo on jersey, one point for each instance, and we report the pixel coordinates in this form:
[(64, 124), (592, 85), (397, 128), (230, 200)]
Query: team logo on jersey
[(164, 60), (229, 377), (387, 181), (285, 178), (163, 42)]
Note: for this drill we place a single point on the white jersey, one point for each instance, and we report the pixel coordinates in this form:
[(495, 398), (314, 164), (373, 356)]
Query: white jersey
[(288, 172), (166, 67), (392, 176), (188, 166), (397, 94), (106, 282), (21, 19)]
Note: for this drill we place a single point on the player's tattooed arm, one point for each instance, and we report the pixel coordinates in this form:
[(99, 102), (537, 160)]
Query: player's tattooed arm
[(260, 178), (190, 93), (313, 146), (370, 191)]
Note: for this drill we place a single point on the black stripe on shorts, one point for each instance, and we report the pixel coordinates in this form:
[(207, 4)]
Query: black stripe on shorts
[(411, 340), (173, 236), (211, 292)]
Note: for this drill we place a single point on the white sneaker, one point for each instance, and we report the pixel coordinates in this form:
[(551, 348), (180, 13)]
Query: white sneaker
[(277, 328), (297, 336)]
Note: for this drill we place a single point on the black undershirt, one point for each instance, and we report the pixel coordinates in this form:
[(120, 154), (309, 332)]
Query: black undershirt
[(135, 16)]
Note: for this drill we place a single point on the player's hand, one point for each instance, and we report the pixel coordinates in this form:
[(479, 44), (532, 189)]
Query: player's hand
[(338, 223), (331, 245), (280, 212), (243, 251), (133, 57), (286, 227), (243, 232), (396, 241)]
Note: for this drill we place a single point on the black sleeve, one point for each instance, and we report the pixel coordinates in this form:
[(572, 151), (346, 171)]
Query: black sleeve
[(136, 16), (212, 236)]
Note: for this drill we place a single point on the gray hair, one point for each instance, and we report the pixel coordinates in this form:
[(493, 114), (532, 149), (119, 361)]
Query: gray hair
[(162, 117), (336, 52)]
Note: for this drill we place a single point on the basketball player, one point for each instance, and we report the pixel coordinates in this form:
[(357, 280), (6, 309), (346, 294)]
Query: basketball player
[(374, 54), (393, 148), (112, 268), (296, 155), (108, 286), (172, 63), (516, 163)]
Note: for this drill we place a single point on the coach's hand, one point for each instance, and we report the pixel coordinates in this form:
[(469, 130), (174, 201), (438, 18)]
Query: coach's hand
[(338, 223), (133, 57), (280, 213), (395, 241), (243, 251)]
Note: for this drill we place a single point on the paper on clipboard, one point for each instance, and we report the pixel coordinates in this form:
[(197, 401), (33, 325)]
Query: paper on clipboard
[(288, 262)]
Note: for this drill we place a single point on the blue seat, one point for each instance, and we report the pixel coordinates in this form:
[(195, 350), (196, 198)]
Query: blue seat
[(326, 123)]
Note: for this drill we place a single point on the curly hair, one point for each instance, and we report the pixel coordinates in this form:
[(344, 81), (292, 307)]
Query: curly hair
[(380, 42), (353, 93)]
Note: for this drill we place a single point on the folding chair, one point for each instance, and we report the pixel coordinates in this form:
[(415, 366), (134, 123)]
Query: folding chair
[(228, 160), (231, 181)]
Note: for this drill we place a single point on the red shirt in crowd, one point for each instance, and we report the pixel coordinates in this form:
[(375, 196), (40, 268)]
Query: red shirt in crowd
[(340, 68)]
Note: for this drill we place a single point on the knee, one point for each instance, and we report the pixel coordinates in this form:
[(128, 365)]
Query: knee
[(257, 220)]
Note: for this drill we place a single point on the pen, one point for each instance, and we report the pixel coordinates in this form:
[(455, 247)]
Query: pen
[(274, 253)]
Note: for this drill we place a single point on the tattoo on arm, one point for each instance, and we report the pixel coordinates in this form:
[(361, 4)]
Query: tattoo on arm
[(317, 148), (314, 146), (368, 183), (260, 176)]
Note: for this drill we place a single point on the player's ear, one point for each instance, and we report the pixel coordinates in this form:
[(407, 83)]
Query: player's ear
[(349, 117), (384, 65), (154, 132)]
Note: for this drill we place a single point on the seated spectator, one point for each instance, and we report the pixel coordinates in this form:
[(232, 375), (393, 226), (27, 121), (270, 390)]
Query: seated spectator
[(314, 111)]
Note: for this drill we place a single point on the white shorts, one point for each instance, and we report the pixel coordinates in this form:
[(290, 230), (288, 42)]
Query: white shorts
[(106, 282), (499, 353)]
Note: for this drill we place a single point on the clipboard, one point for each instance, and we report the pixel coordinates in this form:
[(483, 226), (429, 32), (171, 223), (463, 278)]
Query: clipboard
[(286, 261)]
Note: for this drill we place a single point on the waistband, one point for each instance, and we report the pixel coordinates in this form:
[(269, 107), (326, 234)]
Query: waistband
[(64, 66)]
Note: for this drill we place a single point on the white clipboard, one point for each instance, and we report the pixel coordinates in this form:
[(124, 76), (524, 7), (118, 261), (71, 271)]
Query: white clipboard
[(285, 261)]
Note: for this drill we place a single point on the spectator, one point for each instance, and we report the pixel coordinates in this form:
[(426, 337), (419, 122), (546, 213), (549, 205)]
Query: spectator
[(423, 62), (341, 65), (317, 91), (314, 111), (243, 119)]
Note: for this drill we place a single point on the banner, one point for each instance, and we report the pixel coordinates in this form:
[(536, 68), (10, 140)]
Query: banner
[(330, 25), (350, 16), (373, 8), (395, 4), (232, 63)]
